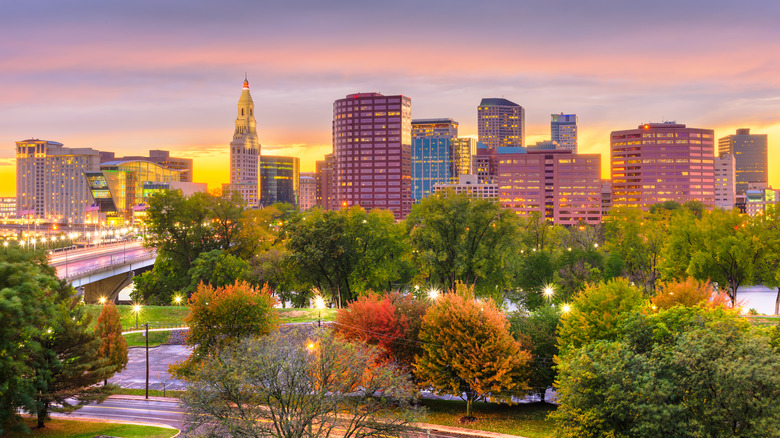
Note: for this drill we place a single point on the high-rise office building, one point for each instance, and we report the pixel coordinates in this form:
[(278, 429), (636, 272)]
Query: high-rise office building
[(563, 130), (307, 189), (245, 152), (750, 157), (325, 175), (433, 157), (725, 184), (50, 183), (500, 123), (279, 179), (463, 151), (559, 185), (659, 162), (446, 128), (7, 207), (372, 140)]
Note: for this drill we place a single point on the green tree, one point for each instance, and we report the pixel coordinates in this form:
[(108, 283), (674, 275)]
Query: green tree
[(459, 239), (274, 386), (26, 283), (258, 231), (767, 227), (721, 247), (468, 350), (113, 346), (217, 268), (534, 269), (221, 316), (686, 371), (346, 252), (225, 214), (68, 366), (596, 314), (536, 332)]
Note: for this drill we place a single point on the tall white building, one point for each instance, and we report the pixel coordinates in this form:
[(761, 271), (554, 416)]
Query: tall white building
[(563, 130), (245, 152), (725, 181), (50, 183)]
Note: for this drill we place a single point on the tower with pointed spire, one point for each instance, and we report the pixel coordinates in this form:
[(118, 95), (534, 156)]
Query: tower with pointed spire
[(245, 152)]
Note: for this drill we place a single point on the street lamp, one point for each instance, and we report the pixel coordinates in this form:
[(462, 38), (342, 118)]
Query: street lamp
[(566, 308), (137, 310), (433, 293), (548, 292), (177, 299), (102, 300), (319, 303)]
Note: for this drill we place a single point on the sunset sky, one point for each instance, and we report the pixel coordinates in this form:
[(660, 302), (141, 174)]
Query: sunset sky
[(166, 74)]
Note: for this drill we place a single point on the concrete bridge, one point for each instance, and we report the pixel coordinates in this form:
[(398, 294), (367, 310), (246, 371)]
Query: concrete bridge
[(103, 271)]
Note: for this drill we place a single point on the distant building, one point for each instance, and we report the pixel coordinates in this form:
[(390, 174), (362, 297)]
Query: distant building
[(547, 145), (606, 197), (279, 179), (50, 182), (307, 187), (163, 158), (123, 187), (446, 128), (433, 155), (658, 162), (559, 185), (563, 130), (326, 183), (750, 157), (725, 183), (245, 152), (7, 207), (758, 197), (470, 185), (500, 123), (463, 150), (372, 141)]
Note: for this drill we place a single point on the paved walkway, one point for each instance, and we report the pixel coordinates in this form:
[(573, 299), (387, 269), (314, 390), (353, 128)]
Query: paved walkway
[(134, 375)]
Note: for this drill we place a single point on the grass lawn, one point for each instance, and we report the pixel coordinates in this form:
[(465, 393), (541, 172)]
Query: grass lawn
[(155, 339), (305, 315), (528, 420), (57, 428)]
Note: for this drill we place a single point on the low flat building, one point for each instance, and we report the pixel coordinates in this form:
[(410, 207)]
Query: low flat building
[(470, 185)]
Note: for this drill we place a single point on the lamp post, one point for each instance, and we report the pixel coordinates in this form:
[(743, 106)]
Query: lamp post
[(137, 310), (147, 358), (319, 302)]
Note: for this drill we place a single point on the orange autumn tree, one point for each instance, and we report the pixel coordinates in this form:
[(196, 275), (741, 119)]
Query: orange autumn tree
[(467, 349), (372, 319), (689, 292), (222, 316), (113, 346)]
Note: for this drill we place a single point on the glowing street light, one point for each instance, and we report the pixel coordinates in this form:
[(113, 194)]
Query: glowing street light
[(319, 303), (137, 310), (102, 300), (548, 292), (566, 308), (433, 294), (177, 299)]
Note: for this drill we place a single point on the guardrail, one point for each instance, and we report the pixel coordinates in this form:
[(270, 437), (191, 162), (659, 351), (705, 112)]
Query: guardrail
[(109, 266)]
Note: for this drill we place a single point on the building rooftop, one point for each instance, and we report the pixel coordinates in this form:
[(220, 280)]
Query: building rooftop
[(497, 101)]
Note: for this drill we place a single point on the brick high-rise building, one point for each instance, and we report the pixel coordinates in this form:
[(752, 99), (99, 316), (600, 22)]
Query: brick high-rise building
[(500, 123), (50, 183), (325, 175), (245, 152), (658, 162), (725, 184), (750, 157), (372, 139), (307, 187), (561, 186)]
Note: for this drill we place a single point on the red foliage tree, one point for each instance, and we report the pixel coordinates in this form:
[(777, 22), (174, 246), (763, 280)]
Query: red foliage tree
[(113, 346), (373, 319)]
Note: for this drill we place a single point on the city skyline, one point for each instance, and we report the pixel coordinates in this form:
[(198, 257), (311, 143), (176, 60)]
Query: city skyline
[(141, 76)]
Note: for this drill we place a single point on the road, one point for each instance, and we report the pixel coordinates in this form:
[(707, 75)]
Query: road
[(134, 409), (71, 262)]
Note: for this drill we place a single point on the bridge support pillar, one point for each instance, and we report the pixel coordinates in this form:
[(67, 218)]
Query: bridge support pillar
[(107, 287)]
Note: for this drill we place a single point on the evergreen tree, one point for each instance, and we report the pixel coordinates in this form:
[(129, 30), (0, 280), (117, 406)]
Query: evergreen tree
[(113, 346)]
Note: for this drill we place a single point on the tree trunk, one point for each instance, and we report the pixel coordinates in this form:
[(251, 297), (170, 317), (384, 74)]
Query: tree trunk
[(43, 410), (468, 406), (542, 394), (777, 301)]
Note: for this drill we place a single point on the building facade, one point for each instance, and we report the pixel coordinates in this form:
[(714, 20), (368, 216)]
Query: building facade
[(445, 128), (758, 197), (658, 162), (7, 207), (470, 186), (325, 175), (725, 184), (559, 185), (563, 130), (500, 123), (433, 155), (163, 158), (307, 190), (372, 140), (245, 152), (50, 183), (279, 179), (750, 157)]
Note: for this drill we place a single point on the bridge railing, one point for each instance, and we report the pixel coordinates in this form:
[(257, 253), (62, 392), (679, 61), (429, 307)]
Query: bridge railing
[(121, 261)]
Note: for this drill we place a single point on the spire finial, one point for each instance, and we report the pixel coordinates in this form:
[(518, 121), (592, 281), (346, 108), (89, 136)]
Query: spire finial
[(246, 82)]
